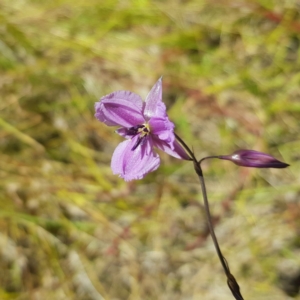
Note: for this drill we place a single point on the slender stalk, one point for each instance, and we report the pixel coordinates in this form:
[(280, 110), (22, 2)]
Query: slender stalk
[(207, 157), (186, 147), (209, 220), (231, 281)]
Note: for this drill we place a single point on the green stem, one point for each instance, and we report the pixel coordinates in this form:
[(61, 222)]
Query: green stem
[(231, 281)]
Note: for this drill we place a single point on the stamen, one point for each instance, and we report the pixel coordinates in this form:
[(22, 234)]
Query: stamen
[(138, 142), (142, 130), (134, 130)]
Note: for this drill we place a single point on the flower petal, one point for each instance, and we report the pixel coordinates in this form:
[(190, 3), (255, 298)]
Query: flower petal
[(134, 164), (175, 150), (163, 128), (154, 97), (121, 108)]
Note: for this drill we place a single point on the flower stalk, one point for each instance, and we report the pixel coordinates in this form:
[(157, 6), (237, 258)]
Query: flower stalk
[(231, 281)]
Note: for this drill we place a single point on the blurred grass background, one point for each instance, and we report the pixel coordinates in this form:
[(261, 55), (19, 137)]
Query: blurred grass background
[(69, 229)]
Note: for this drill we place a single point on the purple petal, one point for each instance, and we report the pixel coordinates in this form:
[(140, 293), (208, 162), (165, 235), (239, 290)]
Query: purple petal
[(254, 159), (120, 108), (134, 164), (175, 149), (161, 110), (163, 129), (154, 97)]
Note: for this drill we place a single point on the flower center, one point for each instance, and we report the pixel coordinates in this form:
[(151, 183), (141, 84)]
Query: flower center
[(143, 131)]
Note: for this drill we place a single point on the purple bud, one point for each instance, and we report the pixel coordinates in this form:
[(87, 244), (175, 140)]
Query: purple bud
[(254, 159)]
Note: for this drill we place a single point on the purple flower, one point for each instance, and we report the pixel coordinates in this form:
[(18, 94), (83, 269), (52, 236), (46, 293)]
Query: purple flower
[(145, 125), (254, 159)]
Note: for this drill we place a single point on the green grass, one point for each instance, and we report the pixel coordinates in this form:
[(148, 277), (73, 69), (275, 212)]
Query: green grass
[(69, 229)]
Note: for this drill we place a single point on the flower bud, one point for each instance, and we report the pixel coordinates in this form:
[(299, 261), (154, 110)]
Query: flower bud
[(254, 159)]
